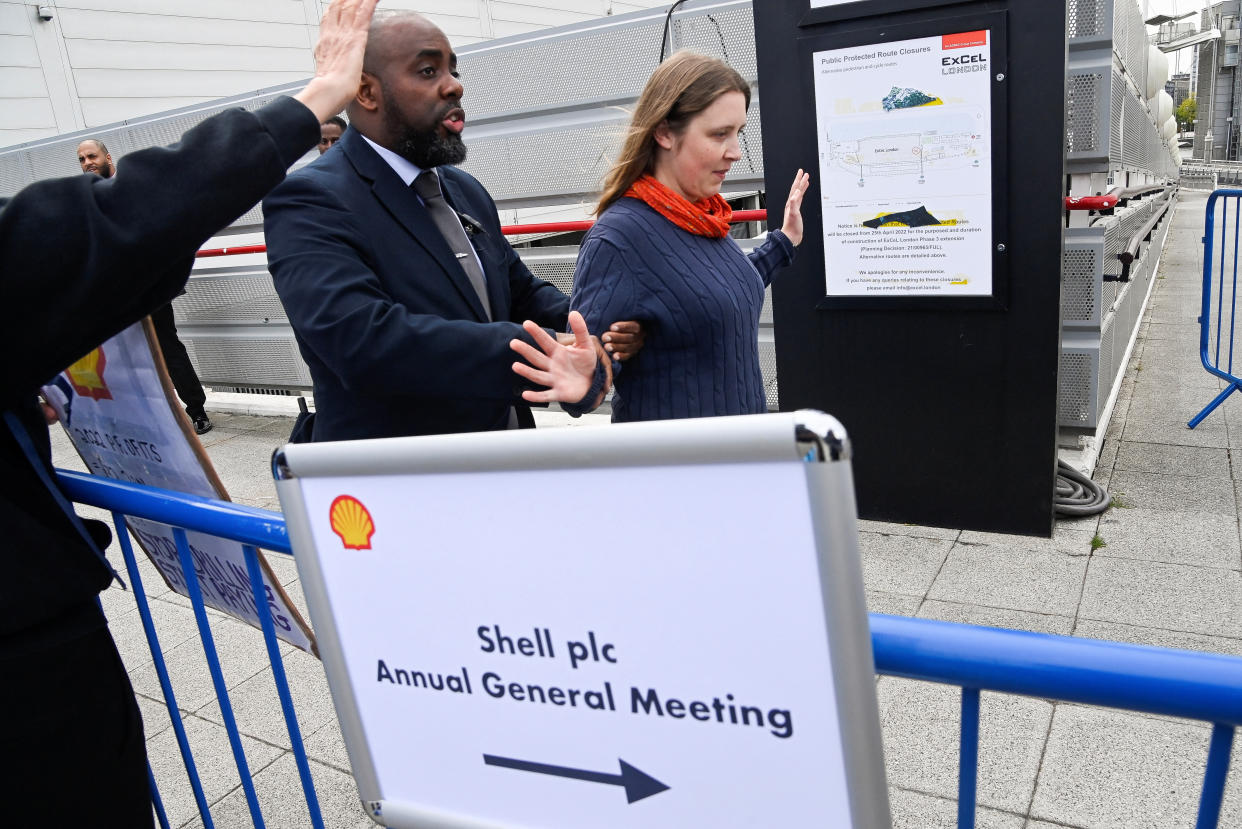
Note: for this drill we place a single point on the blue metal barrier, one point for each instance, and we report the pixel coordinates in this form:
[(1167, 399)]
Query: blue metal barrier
[(1219, 262), (253, 528), (1175, 683)]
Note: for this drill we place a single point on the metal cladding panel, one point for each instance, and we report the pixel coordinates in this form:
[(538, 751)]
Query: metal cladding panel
[(1082, 264), (230, 299), (1076, 381), (239, 360), (1087, 111), (726, 34), (1088, 18), (603, 64)]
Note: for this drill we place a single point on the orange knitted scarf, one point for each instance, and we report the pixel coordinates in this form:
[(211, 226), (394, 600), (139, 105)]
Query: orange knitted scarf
[(705, 217)]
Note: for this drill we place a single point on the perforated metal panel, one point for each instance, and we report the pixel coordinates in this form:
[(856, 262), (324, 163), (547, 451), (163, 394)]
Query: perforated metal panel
[(1083, 116), (230, 299), (1080, 265), (245, 360), (1076, 387), (1088, 18), (728, 35)]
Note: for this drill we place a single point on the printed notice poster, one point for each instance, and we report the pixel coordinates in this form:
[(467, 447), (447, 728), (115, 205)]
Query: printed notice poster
[(117, 407), (905, 164)]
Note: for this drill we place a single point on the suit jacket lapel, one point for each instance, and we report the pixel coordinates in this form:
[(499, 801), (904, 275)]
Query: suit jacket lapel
[(405, 207)]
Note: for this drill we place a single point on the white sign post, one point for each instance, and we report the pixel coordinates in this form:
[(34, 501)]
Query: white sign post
[(656, 625), (118, 407)]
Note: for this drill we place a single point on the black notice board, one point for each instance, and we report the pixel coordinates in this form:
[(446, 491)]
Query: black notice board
[(951, 402)]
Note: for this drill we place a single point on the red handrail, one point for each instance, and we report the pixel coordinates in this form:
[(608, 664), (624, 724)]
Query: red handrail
[(1107, 202), (508, 230)]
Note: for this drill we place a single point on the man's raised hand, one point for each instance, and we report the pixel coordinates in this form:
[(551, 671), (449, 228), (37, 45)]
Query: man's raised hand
[(567, 369)]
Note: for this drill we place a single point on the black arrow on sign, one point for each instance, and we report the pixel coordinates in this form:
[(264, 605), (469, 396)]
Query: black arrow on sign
[(637, 784)]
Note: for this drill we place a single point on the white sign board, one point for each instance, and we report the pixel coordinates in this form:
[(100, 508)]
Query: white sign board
[(524, 646), (905, 138), (118, 408)]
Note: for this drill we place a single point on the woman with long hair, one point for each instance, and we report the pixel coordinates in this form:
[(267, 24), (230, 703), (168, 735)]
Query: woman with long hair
[(661, 253)]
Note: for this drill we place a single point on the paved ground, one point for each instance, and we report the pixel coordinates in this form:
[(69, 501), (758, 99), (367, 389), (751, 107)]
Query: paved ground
[(1169, 573)]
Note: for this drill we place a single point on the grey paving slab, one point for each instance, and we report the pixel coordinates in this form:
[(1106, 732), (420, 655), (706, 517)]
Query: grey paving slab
[(895, 604), (327, 745), (1040, 582), (921, 723), (973, 614), (1177, 331), (1158, 595), (1159, 458), (1043, 824), (1072, 537), (1172, 429), (915, 810), (155, 717), (213, 758), (173, 623), (283, 802), (242, 655), (256, 704), (1174, 492), (1106, 768), (1194, 538), (901, 564), (912, 530), (244, 464), (1159, 637)]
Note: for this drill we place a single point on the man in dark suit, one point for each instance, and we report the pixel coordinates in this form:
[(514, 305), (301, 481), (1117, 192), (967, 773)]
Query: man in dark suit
[(94, 157), (405, 307)]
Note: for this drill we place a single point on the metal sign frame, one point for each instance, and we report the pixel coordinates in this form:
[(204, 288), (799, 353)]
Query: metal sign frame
[(809, 445)]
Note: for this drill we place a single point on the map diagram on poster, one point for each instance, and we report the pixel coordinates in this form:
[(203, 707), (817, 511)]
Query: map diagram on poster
[(905, 164)]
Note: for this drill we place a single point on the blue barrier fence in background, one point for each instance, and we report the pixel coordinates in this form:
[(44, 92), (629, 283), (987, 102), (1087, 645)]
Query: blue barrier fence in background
[(1175, 683), (1217, 319)]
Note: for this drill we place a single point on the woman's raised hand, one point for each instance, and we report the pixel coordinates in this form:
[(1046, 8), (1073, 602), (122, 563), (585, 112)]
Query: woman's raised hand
[(793, 207)]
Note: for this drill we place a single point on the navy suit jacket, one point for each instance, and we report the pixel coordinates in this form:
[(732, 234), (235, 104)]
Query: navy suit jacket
[(395, 337)]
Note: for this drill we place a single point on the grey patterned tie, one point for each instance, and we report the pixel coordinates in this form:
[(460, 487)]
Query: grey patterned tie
[(427, 186)]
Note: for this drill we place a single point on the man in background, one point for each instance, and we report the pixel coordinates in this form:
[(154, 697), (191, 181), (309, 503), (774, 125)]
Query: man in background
[(94, 157), (330, 132)]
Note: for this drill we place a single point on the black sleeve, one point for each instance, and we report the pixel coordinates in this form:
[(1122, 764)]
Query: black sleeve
[(82, 258)]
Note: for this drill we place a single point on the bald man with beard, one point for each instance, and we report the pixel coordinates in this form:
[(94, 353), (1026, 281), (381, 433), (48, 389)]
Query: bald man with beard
[(402, 291)]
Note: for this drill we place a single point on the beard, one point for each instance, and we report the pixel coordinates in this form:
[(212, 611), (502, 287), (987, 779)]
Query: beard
[(106, 170), (423, 148)]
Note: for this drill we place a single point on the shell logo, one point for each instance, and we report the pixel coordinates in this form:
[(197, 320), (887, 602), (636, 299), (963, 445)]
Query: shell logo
[(86, 375), (352, 522)]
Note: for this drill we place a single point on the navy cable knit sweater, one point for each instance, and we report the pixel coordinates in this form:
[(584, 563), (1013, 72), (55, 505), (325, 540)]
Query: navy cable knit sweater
[(699, 301)]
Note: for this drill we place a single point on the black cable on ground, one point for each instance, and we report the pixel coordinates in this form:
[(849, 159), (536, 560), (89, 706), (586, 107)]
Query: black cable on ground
[(1078, 495)]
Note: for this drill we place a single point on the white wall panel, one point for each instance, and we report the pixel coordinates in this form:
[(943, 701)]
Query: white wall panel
[(116, 54), (100, 111), (151, 28), (127, 83), (22, 82), (9, 137), (274, 11), (103, 61), (27, 113), (18, 50), (14, 19)]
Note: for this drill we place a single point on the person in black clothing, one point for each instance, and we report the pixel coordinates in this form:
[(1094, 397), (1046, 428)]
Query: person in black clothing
[(94, 157), (72, 739)]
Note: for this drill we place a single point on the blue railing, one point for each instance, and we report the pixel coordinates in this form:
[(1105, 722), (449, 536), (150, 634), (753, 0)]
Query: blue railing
[(253, 528), (1220, 264), (1175, 683)]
